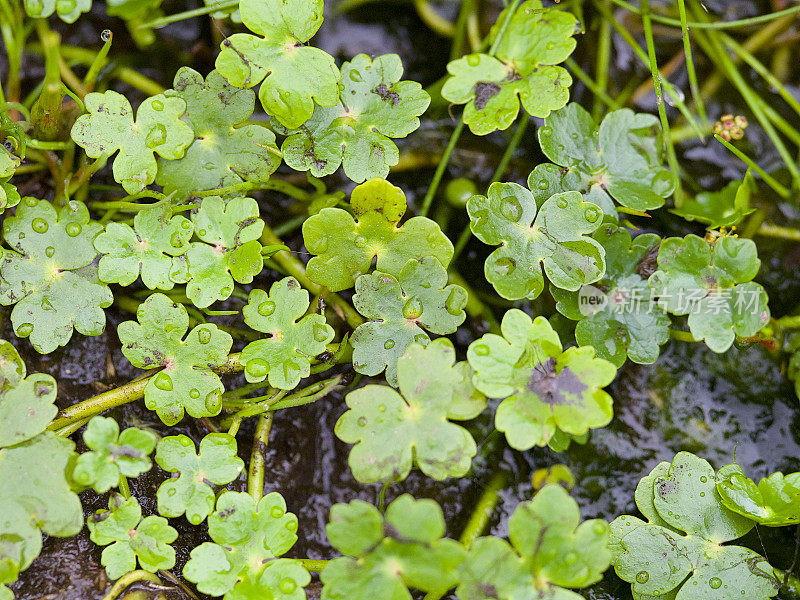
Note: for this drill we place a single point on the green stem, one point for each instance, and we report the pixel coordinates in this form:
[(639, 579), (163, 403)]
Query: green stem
[(790, 322), (90, 79), (437, 176), (124, 394), (672, 158), (711, 25), (124, 489), (128, 579), (258, 457), (681, 336), (512, 146), (323, 389), (188, 14), (690, 70), (776, 231), (779, 188), (234, 428), (598, 92), (246, 186), (483, 510), (433, 19)]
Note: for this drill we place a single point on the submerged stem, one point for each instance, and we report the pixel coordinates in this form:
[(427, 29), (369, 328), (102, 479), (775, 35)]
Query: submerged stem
[(258, 457)]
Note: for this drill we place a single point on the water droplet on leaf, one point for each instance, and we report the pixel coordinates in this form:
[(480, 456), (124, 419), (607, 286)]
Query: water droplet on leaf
[(388, 344), (413, 308), (156, 136), (266, 308), (163, 382), (642, 577), (715, 582), (257, 368), (204, 336), (213, 402), (73, 229), (511, 209), (287, 586), (39, 225)]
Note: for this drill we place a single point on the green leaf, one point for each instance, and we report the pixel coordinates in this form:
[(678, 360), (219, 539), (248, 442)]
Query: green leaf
[(551, 551), (131, 538), (229, 249), (26, 403), (294, 76), (774, 502), (109, 127), (191, 492), (345, 247), (187, 380), (392, 430), (146, 249), (712, 284), (523, 68), (555, 238), (622, 158), (389, 554), (281, 579), (545, 388), (37, 466), (284, 358), (20, 543), (658, 559), (724, 208), (400, 310), (9, 196), (112, 454), (375, 106), (617, 315), (48, 275), (247, 540), (68, 10), (222, 154)]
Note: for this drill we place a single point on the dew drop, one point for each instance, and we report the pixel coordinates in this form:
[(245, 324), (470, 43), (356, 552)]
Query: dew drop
[(25, 329), (600, 528), (156, 136), (163, 382), (287, 586), (542, 185), (413, 308), (356, 76), (39, 225), (157, 105), (422, 339), (195, 394), (277, 512), (550, 45), (73, 229), (204, 336), (504, 266), (360, 241), (591, 214), (703, 479), (176, 240), (291, 526), (362, 421), (257, 368), (106, 35), (266, 308), (195, 519), (49, 251), (481, 350), (545, 131), (171, 491), (214, 401), (715, 582), (388, 344), (225, 291), (290, 370), (473, 60), (320, 333), (381, 408), (511, 209), (562, 202), (642, 577), (454, 302)]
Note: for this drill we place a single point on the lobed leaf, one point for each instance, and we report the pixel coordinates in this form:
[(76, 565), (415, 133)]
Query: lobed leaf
[(187, 381), (131, 538), (345, 246), (375, 105), (48, 276), (408, 539), (191, 493), (109, 126), (555, 239), (774, 502), (225, 151), (545, 389), (392, 430), (523, 69), (712, 284), (147, 249), (112, 454), (284, 358), (620, 159), (293, 76), (724, 208), (400, 310), (658, 559)]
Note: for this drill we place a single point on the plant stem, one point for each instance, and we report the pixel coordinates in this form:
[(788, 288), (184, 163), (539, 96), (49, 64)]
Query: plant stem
[(483, 510), (598, 92), (128, 579), (258, 457), (672, 158), (777, 231), (188, 14), (312, 564), (789, 322), (437, 176), (601, 69), (682, 336), (690, 70), (433, 19), (296, 269), (124, 489), (512, 146), (711, 25), (122, 395), (779, 188)]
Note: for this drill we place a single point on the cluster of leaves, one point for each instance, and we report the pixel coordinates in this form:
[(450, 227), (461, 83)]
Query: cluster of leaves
[(680, 549), (522, 66)]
